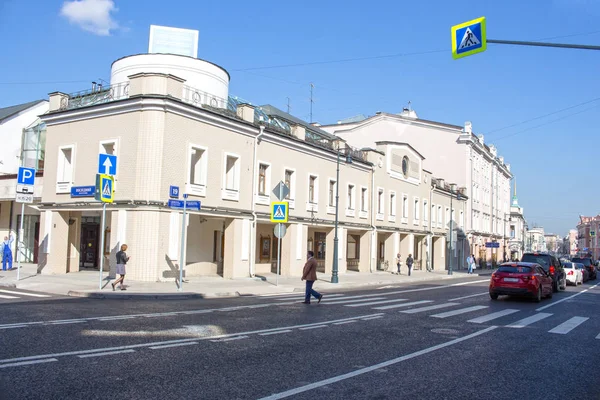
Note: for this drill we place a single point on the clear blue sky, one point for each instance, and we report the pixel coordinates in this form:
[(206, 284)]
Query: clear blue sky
[(44, 51)]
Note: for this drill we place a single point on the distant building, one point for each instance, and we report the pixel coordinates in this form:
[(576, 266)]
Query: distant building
[(553, 242), (587, 239), (571, 241), (535, 240), (517, 228)]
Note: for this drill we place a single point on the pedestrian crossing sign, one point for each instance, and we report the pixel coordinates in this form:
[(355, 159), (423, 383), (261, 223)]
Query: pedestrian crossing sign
[(468, 38), (105, 188), (279, 211)]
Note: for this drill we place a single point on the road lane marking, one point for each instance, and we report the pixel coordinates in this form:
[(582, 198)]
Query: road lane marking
[(344, 322), (67, 322), (107, 353), (529, 320), (566, 298), (492, 316), (429, 288), (300, 296), (23, 294), (468, 297), (351, 301), (115, 318), (275, 333), (569, 325), (370, 318), (329, 381), (18, 364), (412, 303), (168, 346), (374, 303), (429, 308), (459, 311), (2, 296), (313, 327), (144, 345), (13, 326), (229, 339), (598, 337)]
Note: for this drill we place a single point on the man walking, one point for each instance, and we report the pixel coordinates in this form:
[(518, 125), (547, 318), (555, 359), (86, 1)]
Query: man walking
[(409, 263), (398, 262), (7, 257), (310, 275)]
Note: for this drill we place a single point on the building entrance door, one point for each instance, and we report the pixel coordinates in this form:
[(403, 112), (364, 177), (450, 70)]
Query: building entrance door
[(90, 240)]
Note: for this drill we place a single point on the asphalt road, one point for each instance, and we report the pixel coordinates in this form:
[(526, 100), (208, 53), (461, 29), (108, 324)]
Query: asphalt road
[(435, 340)]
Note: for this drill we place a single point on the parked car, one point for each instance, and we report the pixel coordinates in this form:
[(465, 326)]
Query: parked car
[(521, 279), (584, 271), (551, 265), (574, 273), (589, 265)]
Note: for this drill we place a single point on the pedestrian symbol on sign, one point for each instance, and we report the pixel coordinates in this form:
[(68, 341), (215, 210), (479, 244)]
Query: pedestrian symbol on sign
[(279, 211), (106, 190), (469, 39)]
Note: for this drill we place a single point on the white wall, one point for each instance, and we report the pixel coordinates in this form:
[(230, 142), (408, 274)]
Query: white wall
[(11, 135)]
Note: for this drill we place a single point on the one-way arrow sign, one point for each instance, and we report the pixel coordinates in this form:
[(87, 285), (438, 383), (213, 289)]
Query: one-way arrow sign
[(107, 164)]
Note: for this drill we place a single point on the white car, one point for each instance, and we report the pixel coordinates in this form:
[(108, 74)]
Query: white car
[(574, 274)]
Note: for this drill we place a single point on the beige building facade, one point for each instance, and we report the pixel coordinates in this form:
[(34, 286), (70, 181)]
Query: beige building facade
[(229, 155)]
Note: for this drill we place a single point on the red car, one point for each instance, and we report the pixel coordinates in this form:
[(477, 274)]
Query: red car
[(521, 279)]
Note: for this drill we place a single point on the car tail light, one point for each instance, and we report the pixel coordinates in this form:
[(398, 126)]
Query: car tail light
[(552, 270), (570, 273), (528, 277)]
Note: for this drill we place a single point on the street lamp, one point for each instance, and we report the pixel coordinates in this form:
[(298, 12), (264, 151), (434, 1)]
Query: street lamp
[(452, 191), (334, 272)]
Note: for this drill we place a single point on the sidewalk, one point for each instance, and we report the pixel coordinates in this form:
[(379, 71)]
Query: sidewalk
[(85, 284)]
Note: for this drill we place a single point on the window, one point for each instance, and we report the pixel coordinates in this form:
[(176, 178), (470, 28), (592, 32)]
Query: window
[(462, 219), (33, 147), (350, 204), (64, 171), (353, 247), (433, 214), (380, 201), (262, 179), (404, 206), (363, 199), (289, 182), (416, 209), (512, 231), (439, 215), (231, 178), (392, 204), (108, 148), (425, 211), (447, 215), (312, 183), (332, 193), (197, 171)]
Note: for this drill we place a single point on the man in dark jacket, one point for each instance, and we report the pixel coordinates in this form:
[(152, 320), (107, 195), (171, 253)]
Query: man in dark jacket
[(409, 263), (310, 275)]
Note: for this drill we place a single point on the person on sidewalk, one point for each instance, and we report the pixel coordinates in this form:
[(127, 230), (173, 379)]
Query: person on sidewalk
[(398, 262), (7, 257), (310, 275), (409, 263), (122, 259), (470, 263)]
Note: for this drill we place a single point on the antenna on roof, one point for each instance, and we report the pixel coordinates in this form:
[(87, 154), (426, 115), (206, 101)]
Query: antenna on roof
[(288, 105), (409, 103), (311, 101)]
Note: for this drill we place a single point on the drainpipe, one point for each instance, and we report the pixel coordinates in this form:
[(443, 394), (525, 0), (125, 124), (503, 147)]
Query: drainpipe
[(253, 204), (429, 261), (373, 227)]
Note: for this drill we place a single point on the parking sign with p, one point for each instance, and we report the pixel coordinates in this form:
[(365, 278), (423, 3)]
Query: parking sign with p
[(26, 176)]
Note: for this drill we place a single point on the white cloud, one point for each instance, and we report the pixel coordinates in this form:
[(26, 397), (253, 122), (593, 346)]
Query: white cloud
[(91, 15)]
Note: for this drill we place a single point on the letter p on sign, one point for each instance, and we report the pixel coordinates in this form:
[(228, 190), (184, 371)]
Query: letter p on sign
[(26, 176)]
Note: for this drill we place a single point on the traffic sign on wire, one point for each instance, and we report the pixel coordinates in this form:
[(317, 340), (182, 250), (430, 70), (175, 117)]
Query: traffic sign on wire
[(468, 38), (279, 211)]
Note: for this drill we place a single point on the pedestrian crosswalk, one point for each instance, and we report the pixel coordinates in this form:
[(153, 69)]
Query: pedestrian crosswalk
[(452, 309), (7, 294)]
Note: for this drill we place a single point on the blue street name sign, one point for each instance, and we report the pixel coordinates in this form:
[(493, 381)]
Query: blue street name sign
[(83, 191), (174, 192), (492, 244), (190, 205), (107, 164), (26, 176)]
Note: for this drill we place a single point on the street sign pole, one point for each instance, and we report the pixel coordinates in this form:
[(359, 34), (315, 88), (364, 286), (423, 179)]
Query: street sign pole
[(182, 256), (102, 243), (18, 249)]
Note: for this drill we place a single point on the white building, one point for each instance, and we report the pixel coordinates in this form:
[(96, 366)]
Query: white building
[(457, 154), (518, 226), (22, 135), (535, 240)]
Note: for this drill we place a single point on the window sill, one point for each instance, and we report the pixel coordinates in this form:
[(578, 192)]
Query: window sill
[(230, 194), (291, 203), (416, 222), (63, 187), (195, 189), (404, 220), (350, 213), (392, 218), (379, 217), (262, 199), (363, 214), (314, 207), (330, 209)]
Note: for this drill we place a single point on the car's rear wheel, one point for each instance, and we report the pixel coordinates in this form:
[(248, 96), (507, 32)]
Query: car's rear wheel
[(555, 286), (493, 296), (538, 297)]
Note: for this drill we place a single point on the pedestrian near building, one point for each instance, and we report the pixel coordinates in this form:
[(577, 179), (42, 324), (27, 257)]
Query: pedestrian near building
[(471, 263), (122, 259), (409, 263), (398, 262), (310, 275), (7, 257)]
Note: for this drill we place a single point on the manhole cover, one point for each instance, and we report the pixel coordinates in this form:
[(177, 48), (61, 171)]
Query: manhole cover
[(445, 331)]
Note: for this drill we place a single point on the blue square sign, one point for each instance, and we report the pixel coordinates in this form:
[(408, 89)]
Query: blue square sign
[(174, 192), (107, 164), (26, 176)]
